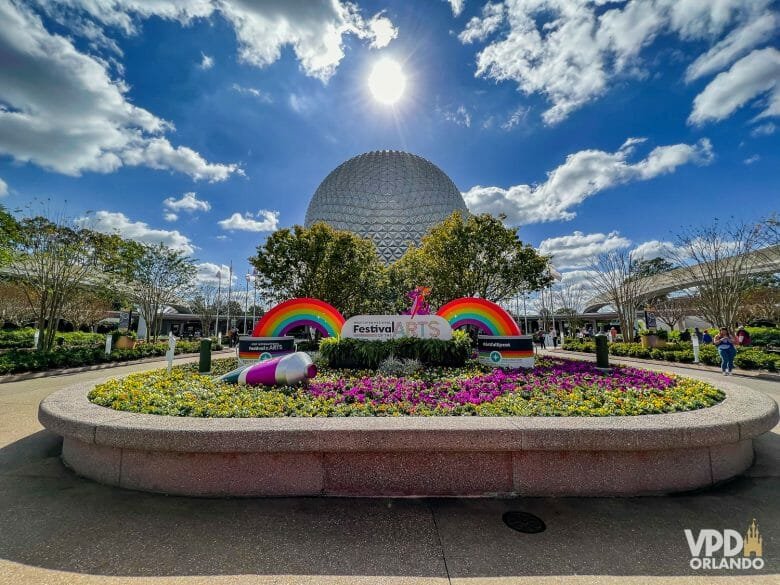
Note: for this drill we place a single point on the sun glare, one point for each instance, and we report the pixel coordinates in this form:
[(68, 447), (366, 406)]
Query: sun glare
[(387, 81)]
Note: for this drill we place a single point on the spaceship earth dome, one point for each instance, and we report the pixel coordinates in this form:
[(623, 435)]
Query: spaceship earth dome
[(389, 196)]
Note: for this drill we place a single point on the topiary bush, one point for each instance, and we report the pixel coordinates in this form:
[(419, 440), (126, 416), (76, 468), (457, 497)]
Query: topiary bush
[(345, 352)]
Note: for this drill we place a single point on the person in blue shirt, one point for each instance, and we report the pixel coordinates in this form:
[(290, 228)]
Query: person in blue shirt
[(727, 348), (706, 338)]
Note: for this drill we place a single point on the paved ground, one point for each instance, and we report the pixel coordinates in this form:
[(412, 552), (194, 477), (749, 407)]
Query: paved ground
[(58, 528)]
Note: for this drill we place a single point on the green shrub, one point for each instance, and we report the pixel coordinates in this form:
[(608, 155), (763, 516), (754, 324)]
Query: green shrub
[(344, 352), (23, 339), (762, 336), (662, 334)]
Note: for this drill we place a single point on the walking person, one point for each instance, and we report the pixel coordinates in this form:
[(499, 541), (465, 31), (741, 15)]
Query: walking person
[(727, 348)]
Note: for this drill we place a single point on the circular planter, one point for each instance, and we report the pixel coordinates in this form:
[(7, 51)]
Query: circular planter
[(410, 456), (124, 342)]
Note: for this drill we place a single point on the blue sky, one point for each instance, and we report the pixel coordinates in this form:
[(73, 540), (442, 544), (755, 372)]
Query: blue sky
[(592, 126)]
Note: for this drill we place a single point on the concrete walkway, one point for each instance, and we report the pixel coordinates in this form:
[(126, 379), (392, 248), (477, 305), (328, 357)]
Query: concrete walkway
[(58, 528)]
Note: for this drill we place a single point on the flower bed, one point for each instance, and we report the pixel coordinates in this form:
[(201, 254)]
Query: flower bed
[(554, 387)]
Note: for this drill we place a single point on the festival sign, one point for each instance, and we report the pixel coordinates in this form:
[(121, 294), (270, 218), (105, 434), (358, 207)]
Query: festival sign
[(385, 327), (254, 349), (510, 351)]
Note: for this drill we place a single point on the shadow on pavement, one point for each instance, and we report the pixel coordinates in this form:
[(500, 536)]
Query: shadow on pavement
[(52, 519)]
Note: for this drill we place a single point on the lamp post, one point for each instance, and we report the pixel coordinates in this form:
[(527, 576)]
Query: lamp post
[(246, 300), (254, 297), (230, 290), (219, 295)]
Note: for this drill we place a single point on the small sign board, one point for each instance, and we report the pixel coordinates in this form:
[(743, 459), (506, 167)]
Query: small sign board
[(385, 327), (650, 320), (124, 319), (510, 351), (258, 349)]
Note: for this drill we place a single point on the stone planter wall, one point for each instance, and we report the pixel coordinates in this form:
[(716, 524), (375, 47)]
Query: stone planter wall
[(410, 456)]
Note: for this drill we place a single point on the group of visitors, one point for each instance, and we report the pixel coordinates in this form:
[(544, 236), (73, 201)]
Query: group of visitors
[(727, 343)]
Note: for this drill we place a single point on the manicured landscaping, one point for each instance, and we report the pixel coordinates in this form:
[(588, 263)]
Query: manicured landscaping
[(555, 387), (749, 358), (27, 360)]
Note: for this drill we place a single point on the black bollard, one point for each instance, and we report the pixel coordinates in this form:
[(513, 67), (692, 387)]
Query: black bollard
[(602, 352), (204, 366)]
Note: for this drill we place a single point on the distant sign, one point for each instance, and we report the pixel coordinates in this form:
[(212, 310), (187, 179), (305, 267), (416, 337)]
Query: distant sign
[(650, 320), (258, 349), (384, 327), (124, 319)]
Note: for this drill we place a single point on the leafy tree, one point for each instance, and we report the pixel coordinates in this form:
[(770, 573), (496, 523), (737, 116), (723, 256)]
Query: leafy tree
[(338, 267), (473, 255), (652, 267), (52, 260), (9, 233), (160, 276)]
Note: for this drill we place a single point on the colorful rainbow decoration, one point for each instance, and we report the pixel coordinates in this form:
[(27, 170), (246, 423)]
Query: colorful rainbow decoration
[(294, 313), (485, 315)]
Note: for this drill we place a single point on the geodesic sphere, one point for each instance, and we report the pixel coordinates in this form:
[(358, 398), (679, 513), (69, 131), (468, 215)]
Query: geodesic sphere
[(389, 196)]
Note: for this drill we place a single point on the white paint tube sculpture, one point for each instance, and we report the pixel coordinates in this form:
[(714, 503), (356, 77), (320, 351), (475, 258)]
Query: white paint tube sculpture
[(281, 371)]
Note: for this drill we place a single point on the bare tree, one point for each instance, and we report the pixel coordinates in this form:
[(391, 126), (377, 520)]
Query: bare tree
[(161, 276), (205, 304), (617, 279), (671, 310), (718, 261), (85, 308), (15, 308)]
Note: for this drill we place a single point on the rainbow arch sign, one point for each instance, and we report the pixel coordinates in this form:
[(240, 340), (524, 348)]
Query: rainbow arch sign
[(288, 315), (487, 316)]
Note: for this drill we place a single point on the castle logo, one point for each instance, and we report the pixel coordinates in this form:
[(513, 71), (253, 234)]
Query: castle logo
[(726, 549)]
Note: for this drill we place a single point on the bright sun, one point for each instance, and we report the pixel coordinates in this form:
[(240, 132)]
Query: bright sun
[(387, 81)]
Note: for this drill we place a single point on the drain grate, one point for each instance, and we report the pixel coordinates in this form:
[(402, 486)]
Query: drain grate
[(524, 522)]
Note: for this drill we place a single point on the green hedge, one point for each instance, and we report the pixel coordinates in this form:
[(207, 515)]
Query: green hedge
[(358, 353), (23, 338), (16, 361), (749, 358)]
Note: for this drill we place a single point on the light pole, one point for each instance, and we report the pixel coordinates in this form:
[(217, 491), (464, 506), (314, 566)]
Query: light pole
[(230, 290), (254, 297), (246, 300), (525, 314), (219, 295)]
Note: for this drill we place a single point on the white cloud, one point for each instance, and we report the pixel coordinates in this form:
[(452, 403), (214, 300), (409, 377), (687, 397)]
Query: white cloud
[(300, 104), (382, 31), (457, 6), (653, 249), (3, 188), (170, 216), (570, 51), (206, 62), (118, 223), (267, 221), (752, 159), (584, 174), (479, 28), (207, 273), (578, 249), (259, 94), (61, 109), (516, 118), (735, 45), (461, 116), (314, 30), (749, 78), (189, 202), (764, 130)]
